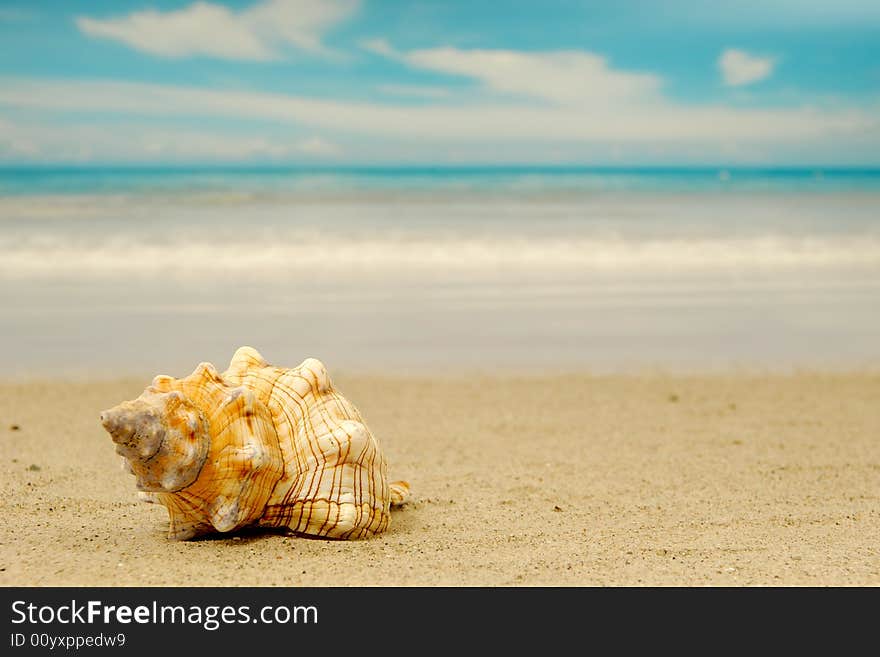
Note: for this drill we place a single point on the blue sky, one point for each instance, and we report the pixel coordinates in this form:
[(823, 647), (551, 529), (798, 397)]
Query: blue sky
[(357, 82)]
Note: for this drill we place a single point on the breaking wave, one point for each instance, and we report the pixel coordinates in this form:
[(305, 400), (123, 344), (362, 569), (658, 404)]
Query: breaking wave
[(51, 257)]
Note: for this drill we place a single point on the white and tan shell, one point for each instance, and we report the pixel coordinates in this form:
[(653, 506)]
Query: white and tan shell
[(255, 446)]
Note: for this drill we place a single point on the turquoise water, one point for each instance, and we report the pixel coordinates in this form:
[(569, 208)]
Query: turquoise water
[(139, 271), (93, 180)]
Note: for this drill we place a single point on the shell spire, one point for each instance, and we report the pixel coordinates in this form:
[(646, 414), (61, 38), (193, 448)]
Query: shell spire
[(257, 445)]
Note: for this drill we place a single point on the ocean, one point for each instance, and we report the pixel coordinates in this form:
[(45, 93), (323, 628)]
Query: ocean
[(128, 271)]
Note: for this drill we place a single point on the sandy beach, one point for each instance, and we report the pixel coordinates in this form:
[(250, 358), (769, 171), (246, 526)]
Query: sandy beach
[(734, 479), (602, 279)]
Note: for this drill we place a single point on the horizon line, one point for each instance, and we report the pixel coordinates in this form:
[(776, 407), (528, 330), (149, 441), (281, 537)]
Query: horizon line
[(427, 166)]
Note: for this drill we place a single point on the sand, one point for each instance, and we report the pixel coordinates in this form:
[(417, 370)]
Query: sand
[(732, 479)]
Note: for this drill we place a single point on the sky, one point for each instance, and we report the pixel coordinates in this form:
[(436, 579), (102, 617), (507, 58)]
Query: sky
[(340, 82)]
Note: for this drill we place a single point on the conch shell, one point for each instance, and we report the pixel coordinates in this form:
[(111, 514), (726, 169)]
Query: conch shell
[(255, 446)]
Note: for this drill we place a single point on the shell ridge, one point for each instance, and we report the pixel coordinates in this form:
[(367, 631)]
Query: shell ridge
[(276, 409), (295, 491), (371, 483), (323, 461), (334, 491), (330, 505), (306, 428), (246, 451)]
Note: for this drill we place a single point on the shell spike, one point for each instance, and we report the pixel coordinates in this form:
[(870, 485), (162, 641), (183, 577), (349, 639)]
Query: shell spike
[(399, 491), (224, 515), (244, 359), (208, 371)]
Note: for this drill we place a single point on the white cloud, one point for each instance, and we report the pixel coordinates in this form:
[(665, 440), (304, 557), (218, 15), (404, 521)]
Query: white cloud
[(739, 68), (206, 29), (17, 143), (378, 47), (30, 141), (317, 147), (526, 106), (562, 77), (413, 90), (625, 122), (200, 29)]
